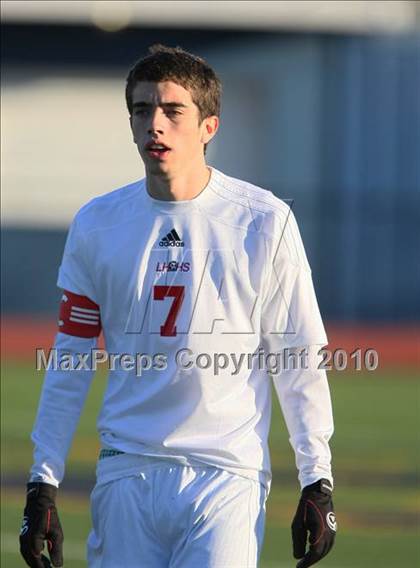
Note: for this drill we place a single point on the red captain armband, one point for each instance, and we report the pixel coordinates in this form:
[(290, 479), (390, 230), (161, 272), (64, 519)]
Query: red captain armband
[(79, 316)]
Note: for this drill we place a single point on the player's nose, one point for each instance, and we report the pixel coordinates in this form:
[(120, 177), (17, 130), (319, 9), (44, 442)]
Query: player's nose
[(156, 121)]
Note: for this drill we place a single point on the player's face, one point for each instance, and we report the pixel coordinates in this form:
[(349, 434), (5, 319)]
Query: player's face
[(166, 127)]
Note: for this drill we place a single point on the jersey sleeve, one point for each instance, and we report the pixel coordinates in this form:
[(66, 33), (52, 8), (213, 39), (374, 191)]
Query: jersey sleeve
[(63, 396), (79, 316), (304, 396), (291, 323), (74, 273), (290, 314), (65, 389)]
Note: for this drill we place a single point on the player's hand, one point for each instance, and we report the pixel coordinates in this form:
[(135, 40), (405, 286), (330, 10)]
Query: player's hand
[(315, 514), (41, 523)]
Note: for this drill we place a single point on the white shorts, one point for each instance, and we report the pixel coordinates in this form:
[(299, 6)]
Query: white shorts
[(176, 516)]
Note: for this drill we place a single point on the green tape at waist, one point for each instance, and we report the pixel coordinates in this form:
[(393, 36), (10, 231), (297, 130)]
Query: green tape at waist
[(109, 453)]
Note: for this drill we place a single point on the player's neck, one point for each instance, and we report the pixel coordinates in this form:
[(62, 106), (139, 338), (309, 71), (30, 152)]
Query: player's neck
[(181, 186)]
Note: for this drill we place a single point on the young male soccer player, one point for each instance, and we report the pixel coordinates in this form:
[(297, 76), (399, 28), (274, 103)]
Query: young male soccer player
[(197, 278)]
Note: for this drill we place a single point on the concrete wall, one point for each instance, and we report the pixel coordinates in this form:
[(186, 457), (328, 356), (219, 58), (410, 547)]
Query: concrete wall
[(331, 122)]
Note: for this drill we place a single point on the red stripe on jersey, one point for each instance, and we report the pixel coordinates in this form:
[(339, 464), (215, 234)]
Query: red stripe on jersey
[(79, 316)]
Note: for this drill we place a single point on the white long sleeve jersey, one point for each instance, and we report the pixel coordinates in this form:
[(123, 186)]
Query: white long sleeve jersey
[(202, 294)]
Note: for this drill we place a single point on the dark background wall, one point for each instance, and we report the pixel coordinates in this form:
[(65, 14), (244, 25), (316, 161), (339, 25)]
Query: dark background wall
[(330, 121)]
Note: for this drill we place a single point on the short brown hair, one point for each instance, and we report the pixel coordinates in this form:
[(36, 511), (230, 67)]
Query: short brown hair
[(179, 66)]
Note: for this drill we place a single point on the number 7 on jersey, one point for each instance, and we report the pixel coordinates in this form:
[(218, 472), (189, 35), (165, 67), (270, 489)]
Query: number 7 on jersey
[(168, 329)]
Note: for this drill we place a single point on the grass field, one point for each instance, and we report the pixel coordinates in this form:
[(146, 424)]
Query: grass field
[(376, 465)]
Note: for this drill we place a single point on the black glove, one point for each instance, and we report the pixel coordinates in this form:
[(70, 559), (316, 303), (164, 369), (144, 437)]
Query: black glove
[(315, 513), (41, 522)]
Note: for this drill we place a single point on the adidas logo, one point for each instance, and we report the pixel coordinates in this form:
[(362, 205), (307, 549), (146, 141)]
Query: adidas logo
[(172, 239)]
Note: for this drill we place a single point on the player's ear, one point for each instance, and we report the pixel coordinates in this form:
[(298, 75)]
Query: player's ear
[(209, 127), (130, 119)]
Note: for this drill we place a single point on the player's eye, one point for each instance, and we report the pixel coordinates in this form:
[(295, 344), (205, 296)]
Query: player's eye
[(172, 112)]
